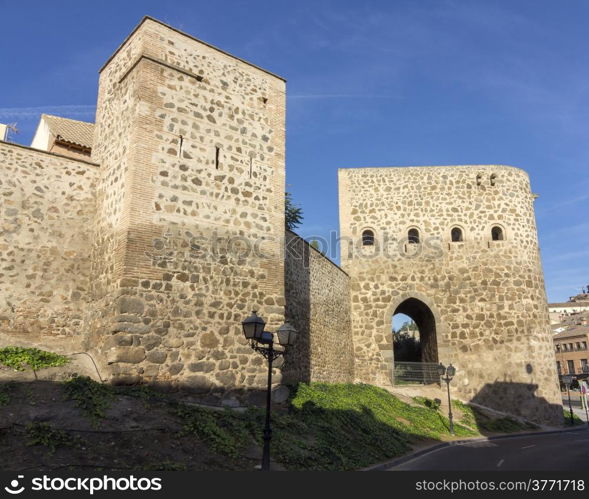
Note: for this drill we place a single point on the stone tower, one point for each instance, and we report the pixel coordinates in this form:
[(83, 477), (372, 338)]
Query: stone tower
[(190, 210), (456, 249)]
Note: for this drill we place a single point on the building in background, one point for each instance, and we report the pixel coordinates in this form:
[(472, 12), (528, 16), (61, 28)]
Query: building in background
[(71, 138), (571, 350)]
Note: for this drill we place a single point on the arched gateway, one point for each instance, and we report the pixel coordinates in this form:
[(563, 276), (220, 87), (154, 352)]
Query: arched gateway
[(425, 321)]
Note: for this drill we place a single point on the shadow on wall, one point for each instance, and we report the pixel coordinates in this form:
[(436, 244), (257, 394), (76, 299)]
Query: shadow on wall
[(297, 297), (520, 400)]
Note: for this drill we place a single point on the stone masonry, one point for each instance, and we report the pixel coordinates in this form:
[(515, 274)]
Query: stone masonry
[(48, 204), (485, 298), (149, 255)]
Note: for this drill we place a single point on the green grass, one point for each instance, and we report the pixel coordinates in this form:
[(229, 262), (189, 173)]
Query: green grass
[(49, 437), (18, 358), (91, 397), (475, 418), (567, 418), (225, 432), (327, 427), (323, 427), (5, 391)]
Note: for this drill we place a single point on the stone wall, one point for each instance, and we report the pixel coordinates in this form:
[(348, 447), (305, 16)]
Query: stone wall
[(191, 202), (486, 297), (318, 305), (47, 204)]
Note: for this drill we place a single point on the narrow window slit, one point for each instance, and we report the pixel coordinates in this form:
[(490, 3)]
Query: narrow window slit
[(217, 157), (251, 164), (180, 147)]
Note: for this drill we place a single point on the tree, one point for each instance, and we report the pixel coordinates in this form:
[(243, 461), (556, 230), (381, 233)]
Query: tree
[(293, 215), (406, 347)]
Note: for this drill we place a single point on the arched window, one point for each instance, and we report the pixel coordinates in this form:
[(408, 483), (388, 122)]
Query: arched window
[(413, 236), (497, 233), (456, 234), (493, 179), (479, 179), (367, 238)]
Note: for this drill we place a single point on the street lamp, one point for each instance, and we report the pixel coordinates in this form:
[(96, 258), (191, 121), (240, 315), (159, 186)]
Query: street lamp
[(584, 390), (448, 373), (253, 330), (567, 379)]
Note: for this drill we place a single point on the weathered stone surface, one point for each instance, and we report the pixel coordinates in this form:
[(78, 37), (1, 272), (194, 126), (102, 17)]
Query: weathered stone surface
[(129, 355), (175, 368), (151, 341), (203, 366), (280, 394), (317, 299), (130, 305), (130, 327), (156, 356), (208, 340)]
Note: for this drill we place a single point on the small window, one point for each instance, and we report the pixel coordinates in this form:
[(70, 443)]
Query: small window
[(497, 233), (571, 366), (413, 236), (367, 238), (456, 235), (493, 179), (479, 179)]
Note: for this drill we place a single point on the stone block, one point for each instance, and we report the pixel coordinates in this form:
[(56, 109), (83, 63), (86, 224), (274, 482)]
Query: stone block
[(156, 356), (129, 355)]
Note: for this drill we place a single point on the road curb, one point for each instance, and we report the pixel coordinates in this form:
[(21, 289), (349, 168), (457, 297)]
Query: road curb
[(422, 452)]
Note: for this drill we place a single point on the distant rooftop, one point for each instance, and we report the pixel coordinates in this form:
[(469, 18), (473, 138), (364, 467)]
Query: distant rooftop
[(570, 304), (73, 131), (573, 331)]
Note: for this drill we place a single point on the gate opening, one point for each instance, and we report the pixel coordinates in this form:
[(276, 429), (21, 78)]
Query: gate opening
[(415, 347)]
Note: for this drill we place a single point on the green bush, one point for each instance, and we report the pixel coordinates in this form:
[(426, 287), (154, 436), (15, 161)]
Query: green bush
[(18, 358), (52, 438), (429, 403), (225, 432), (567, 418), (5, 391), (91, 397)]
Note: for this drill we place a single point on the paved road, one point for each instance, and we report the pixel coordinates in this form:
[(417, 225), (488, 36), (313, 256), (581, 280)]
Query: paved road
[(567, 451)]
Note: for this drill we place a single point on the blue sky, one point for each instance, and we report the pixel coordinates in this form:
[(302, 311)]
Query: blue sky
[(370, 83)]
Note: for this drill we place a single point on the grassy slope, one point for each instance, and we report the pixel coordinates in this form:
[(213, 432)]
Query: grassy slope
[(84, 424), (324, 427)]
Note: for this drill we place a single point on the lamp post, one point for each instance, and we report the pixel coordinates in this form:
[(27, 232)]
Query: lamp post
[(448, 373), (583, 391), (567, 379), (263, 342)]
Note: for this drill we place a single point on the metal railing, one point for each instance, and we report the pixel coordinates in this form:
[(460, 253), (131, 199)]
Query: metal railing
[(415, 373)]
